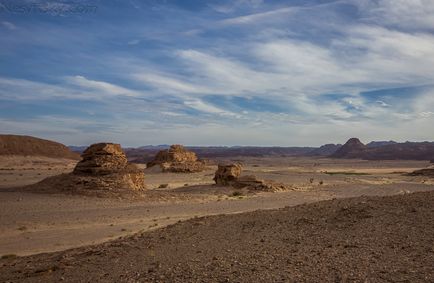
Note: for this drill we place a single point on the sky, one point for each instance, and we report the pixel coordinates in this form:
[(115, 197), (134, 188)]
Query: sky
[(239, 72)]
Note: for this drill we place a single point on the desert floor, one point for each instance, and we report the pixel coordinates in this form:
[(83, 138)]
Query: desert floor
[(32, 223)]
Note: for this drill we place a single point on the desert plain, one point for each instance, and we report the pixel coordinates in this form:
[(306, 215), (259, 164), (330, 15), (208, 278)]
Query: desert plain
[(33, 223)]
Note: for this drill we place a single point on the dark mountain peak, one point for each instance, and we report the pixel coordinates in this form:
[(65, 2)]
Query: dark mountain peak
[(354, 142), (351, 148)]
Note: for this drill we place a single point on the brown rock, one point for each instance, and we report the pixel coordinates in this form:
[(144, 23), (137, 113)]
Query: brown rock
[(103, 171), (177, 159), (227, 174), (101, 159), (252, 183)]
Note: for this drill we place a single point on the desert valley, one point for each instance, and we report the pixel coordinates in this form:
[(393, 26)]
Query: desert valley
[(303, 215), (217, 141)]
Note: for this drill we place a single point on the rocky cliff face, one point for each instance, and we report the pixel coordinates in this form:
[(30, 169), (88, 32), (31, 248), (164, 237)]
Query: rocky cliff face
[(177, 159)]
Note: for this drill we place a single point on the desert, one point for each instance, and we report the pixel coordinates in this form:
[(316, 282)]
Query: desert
[(46, 223), (217, 141)]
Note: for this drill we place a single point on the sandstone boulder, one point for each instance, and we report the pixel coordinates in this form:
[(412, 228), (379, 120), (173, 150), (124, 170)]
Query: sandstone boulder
[(227, 174), (102, 159), (177, 159), (252, 183), (230, 175), (103, 171)]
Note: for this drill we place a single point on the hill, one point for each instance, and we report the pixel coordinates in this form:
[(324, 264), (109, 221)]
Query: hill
[(324, 150), (353, 148), (31, 146)]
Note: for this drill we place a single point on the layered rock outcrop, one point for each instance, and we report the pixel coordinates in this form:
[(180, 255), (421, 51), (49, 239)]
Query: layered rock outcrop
[(253, 183), (177, 159), (227, 174), (230, 175), (103, 170)]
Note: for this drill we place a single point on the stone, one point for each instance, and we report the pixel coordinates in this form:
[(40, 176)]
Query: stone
[(252, 183), (101, 159), (103, 171), (177, 159), (227, 174)]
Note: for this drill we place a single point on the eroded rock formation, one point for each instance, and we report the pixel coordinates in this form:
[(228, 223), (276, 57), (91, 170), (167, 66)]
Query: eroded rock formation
[(177, 159), (230, 175), (103, 170), (252, 183), (227, 174)]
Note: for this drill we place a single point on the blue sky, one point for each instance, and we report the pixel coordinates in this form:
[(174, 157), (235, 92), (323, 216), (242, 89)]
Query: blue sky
[(246, 72)]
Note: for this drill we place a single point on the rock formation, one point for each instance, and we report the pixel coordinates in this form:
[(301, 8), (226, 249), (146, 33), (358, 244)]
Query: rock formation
[(103, 170), (102, 159), (252, 183), (227, 174), (177, 159)]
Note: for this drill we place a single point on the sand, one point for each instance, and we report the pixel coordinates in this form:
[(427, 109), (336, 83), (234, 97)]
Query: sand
[(33, 222)]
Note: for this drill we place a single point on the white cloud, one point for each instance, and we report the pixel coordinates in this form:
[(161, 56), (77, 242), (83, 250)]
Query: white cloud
[(9, 25), (207, 108), (407, 14), (102, 87)]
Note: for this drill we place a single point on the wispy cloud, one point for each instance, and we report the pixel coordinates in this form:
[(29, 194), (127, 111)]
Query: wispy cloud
[(321, 71)]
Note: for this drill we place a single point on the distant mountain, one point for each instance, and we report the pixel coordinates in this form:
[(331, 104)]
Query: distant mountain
[(147, 153), (380, 143), (31, 146), (351, 149), (324, 150), (77, 149), (392, 151)]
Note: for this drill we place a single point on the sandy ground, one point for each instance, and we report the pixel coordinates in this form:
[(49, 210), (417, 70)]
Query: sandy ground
[(364, 239), (33, 223)]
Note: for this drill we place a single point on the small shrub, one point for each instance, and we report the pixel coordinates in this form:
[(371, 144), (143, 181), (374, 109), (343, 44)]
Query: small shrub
[(163, 186), (8, 256), (237, 194)]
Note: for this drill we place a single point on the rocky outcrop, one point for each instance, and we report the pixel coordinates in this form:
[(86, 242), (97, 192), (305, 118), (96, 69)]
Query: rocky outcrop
[(103, 171), (227, 174), (230, 175), (252, 183), (102, 159), (177, 159)]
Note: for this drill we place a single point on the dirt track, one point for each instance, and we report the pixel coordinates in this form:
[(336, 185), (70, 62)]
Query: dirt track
[(367, 239)]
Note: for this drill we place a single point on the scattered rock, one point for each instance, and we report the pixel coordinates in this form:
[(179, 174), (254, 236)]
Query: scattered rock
[(227, 174), (177, 159)]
